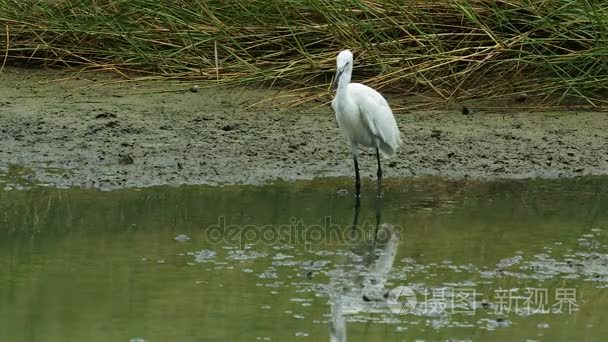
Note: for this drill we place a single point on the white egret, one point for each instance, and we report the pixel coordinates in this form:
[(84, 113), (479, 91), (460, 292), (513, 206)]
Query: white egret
[(364, 117)]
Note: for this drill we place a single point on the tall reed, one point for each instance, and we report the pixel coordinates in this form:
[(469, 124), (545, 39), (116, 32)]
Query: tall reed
[(458, 49)]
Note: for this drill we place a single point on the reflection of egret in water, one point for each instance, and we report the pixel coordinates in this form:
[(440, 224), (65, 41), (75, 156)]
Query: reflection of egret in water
[(357, 285)]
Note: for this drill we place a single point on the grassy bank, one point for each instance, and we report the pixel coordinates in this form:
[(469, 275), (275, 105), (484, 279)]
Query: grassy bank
[(554, 49)]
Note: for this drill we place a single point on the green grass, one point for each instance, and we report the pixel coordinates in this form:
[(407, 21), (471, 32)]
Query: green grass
[(556, 50)]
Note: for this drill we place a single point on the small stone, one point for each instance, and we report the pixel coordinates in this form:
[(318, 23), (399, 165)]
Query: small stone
[(228, 128), (125, 159), (112, 124), (521, 97), (105, 115), (194, 89)]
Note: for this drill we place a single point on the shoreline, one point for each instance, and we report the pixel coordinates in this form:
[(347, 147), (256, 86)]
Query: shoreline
[(73, 133)]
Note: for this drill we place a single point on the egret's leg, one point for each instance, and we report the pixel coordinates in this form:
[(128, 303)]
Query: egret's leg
[(379, 174), (378, 211), (357, 177), (357, 208), (378, 216), (378, 197)]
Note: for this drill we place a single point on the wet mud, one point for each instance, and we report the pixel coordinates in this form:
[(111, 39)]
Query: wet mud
[(79, 133)]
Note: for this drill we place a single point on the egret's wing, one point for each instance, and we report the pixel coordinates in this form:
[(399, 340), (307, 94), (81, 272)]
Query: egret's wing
[(378, 117)]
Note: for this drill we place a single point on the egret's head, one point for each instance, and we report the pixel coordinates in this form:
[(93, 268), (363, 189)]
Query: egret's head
[(344, 64), (344, 60)]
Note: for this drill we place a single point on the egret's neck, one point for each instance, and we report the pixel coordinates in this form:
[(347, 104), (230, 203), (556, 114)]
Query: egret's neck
[(344, 80)]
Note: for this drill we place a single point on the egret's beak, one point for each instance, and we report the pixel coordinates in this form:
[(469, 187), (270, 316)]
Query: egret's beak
[(337, 79)]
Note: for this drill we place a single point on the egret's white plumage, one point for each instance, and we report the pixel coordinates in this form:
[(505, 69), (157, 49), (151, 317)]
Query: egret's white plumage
[(363, 115)]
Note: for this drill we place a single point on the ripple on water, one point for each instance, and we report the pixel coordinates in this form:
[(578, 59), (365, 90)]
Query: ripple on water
[(203, 255), (239, 254)]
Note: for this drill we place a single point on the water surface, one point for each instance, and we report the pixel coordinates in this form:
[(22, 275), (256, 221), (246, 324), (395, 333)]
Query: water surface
[(283, 262)]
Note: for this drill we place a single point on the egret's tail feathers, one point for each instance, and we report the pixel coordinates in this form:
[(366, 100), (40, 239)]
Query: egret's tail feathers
[(389, 150)]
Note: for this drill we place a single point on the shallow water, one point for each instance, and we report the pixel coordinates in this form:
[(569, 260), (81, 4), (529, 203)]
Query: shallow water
[(283, 262)]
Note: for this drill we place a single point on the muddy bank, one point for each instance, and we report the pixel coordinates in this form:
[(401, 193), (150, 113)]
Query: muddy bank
[(77, 133)]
